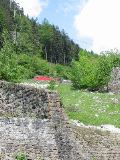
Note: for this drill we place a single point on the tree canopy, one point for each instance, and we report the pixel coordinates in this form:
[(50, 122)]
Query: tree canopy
[(30, 37)]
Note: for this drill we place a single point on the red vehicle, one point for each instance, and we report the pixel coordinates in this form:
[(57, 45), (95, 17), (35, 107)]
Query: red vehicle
[(43, 78)]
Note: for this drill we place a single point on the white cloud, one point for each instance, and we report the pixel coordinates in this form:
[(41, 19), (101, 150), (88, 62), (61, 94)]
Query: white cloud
[(99, 21), (32, 7), (71, 6)]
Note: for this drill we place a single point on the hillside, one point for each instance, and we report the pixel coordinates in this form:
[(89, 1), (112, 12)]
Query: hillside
[(28, 48), (31, 38)]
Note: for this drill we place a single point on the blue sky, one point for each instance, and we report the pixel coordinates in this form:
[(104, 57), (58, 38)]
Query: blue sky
[(62, 13), (93, 24)]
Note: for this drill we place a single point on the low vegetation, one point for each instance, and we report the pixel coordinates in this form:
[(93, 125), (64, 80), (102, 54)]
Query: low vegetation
[(21, 156), (91, 108)]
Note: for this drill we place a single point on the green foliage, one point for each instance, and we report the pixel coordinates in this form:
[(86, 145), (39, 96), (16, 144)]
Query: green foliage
[(51, 85), (93, 72), (30, 37), (90, 108), (14, 73), (62, 71), (83, 72), (20, 156), (114, 58), (16, 67), (24, 42), (57, 46), (10, 70), (40, 66), (46, 32), (103, 70)]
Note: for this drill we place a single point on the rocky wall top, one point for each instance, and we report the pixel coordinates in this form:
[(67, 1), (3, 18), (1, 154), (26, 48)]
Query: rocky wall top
[(22, 101)]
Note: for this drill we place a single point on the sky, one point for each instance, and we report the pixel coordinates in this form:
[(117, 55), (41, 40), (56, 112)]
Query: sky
[(93, 24)]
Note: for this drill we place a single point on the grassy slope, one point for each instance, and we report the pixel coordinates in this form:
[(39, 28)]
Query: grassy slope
[(91, 108)]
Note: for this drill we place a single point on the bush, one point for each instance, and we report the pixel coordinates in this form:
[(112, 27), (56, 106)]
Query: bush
[(103, 71), (62, 71), (93, 72), (114, 59), (10, 70), (83, 73), (39, 66), (21, 156), (51, 85), (14, 74)]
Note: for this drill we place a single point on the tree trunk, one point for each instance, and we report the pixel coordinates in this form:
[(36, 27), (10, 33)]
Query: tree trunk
[(64, 58), (46, 53)]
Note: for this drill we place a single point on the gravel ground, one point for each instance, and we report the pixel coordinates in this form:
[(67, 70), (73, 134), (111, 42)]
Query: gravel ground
[(37, 85), (106, 127)]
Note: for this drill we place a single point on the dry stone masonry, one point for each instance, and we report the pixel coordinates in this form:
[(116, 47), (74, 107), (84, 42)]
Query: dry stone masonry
[(33, 122), (98, 144), (114, 84)]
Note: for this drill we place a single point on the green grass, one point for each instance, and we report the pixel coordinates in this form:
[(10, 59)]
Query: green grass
[(91, 108)]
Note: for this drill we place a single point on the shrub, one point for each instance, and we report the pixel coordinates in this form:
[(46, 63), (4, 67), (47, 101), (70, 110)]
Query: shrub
[(103, 70), (114, 59), (93, 72), (20, 156), (10, 70), (51, 85), (83, 73), (62, 71)]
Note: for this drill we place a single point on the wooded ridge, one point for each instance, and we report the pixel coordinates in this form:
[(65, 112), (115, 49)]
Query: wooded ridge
[(32, 38)]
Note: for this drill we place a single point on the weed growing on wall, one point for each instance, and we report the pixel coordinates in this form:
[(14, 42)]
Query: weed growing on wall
[(51, 85), (21, 156)]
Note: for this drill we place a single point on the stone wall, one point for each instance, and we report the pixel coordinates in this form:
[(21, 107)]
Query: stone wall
[(98, 144), (22, 101), (33, 121), (114, 84)]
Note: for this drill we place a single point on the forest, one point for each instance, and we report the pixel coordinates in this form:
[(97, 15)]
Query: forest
[(32, 38), (28, 48)]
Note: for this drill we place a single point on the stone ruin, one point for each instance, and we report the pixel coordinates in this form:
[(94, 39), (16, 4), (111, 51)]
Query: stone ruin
[(114, 84), (33, 122)]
